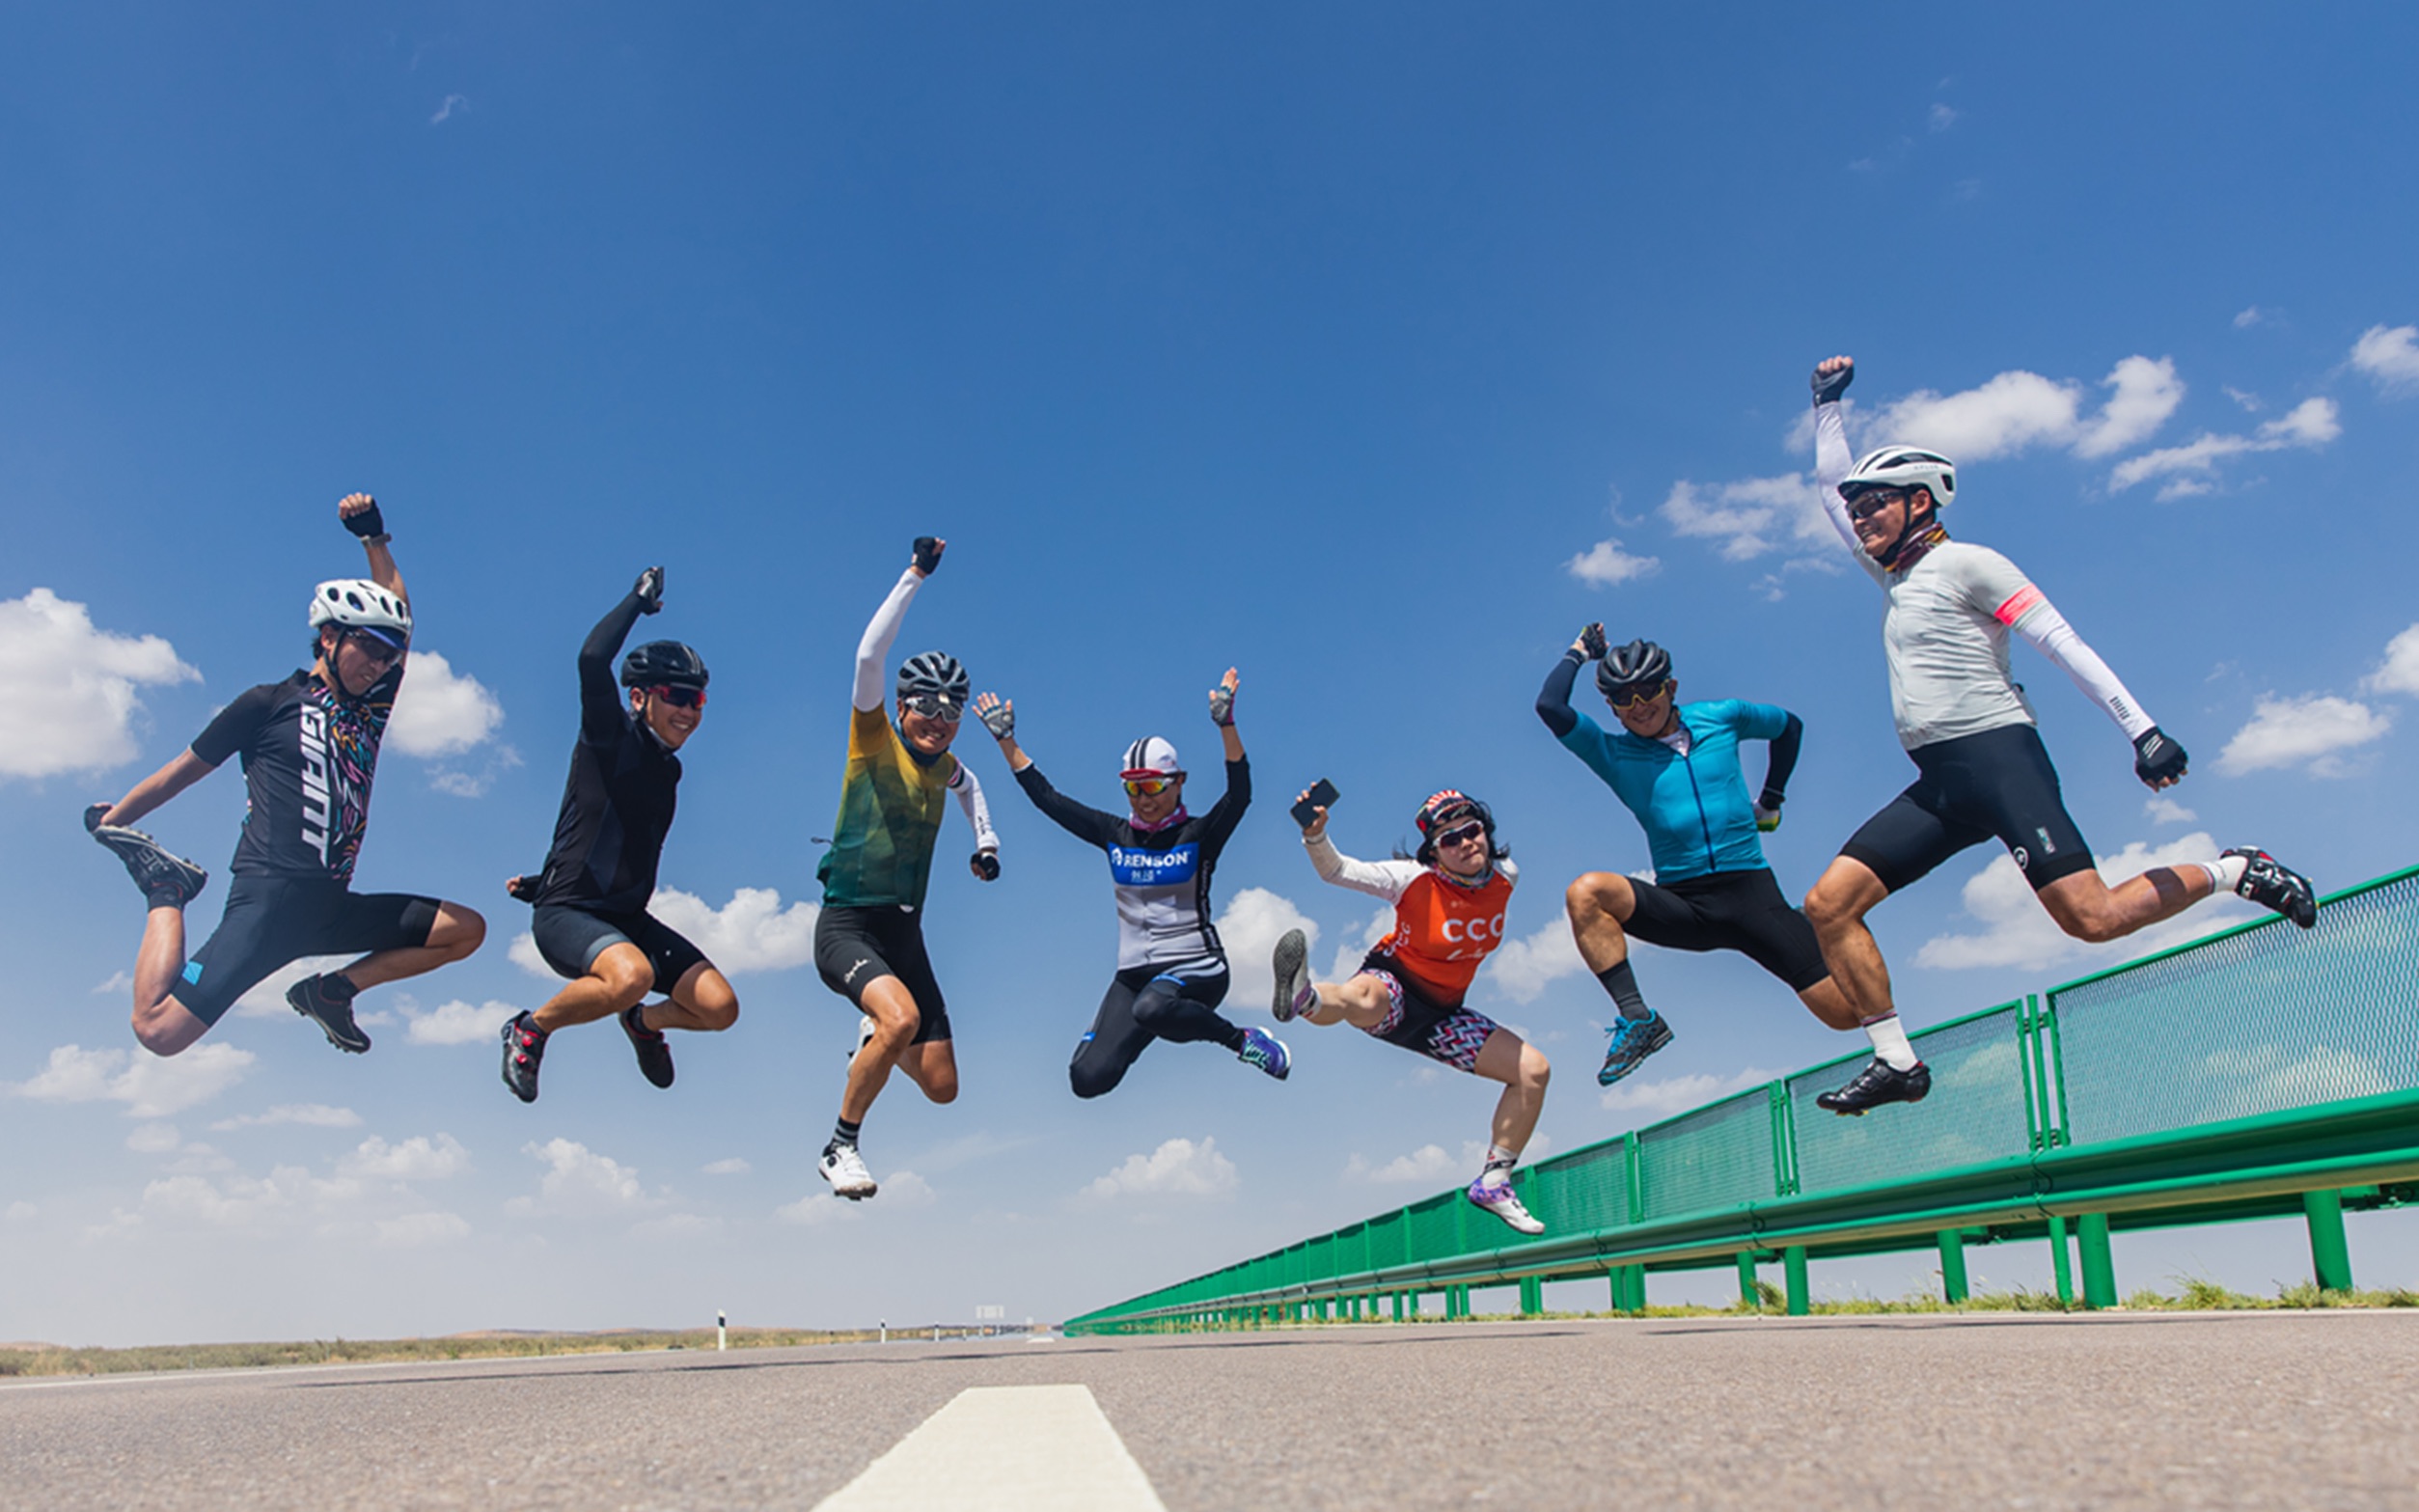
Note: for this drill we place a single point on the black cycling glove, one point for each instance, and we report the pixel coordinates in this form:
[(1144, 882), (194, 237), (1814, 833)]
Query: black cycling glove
[(649, 591), (368, 524), (928, 554), (987, 865), (1829, 386), (2158, 759), (1592, 643)]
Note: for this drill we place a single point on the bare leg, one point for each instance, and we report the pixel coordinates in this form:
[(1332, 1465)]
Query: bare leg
[(2089, 909), (1523, 1071), (617, 979), (1825, 1002), (162, 1024), (701, 1002), (1598, 904), (456, 934), (1362, 1003), (933, 1067), (1846, 892), (895, 1019)]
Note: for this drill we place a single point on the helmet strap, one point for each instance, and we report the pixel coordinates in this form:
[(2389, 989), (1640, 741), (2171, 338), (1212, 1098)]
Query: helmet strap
[(1915, 538)]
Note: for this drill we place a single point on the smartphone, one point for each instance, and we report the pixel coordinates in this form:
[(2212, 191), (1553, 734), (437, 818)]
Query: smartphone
[(1322, 796)]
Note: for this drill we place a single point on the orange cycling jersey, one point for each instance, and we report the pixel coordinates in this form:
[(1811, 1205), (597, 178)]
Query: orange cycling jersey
[(1443, 930)]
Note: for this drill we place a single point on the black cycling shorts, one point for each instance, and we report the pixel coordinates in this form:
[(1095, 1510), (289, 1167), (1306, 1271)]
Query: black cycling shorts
[(570, 939), (1742, 911), (1451, 1034), (855, 948), (273, 921), (1999, 784)]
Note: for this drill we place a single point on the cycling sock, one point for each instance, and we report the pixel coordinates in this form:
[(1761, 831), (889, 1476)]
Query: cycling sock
[(1889, 1042), (169, 897), (845, 1133), (2225, 873), (1500, 1161), (1622, 983), (340, 987)]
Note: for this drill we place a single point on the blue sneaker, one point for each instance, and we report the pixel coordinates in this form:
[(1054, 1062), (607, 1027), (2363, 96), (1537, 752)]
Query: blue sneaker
[(1267, 1052), (1633, 1041)]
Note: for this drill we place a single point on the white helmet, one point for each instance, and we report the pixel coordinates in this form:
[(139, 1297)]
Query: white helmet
[(359, 604), (1902, 467)]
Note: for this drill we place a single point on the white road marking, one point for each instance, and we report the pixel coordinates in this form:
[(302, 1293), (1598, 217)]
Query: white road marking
[(1003, 1449)]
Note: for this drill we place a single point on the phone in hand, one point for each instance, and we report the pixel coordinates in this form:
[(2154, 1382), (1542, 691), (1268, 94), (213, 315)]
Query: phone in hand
[(1322, 795)]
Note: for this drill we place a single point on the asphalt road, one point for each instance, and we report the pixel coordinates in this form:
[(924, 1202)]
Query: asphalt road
[(2243, 1409)]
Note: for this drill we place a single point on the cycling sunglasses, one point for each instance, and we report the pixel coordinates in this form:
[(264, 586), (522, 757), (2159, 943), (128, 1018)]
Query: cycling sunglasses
[(1462, 834), (1873, 500), (931, 706), (380, 652), (1151, 787), (678, 698), (1643, 693)]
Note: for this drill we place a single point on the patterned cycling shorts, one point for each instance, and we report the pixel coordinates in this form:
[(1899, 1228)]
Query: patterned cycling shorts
[(1453, 1035)]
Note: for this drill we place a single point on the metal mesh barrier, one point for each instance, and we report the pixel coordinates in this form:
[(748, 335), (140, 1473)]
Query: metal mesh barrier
[(1586, 1189), (1976, 1112), (1435, 1226), (1718, 1156), (2270, 1018)]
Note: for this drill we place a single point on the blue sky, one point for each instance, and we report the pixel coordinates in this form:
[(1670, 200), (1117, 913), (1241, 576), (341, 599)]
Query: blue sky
[(1372, 350)]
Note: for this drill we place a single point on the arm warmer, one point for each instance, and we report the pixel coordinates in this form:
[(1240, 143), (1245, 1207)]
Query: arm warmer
[(1784, 760), (1832, 462), (977, 813), (600, 691), (2040, 623), (1385, 879), (874, 652), (1554, 699)]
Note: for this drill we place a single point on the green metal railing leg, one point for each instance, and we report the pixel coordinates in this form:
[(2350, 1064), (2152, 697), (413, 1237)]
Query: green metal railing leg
[(2059, 1265), (1398, 1306), (1629, 1288), (1533, 1296), (2330, 1254), (1952, 1265), (2100, 1264), (1749, 1297), (1792, 1263)]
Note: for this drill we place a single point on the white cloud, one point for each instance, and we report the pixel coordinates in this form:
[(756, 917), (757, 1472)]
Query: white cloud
[(1427, 1164), (20, 1211), (2192, 466), (413, 1230), (1523, 969), (734, 1166), (1254, 920), (446, 109), (440, 712), (246, 1201), (580, 1182), (1606, 564), (1943, 118), (1648, 1102), (2017, 931), (153, 1139), (152, 1087), (316, 1115), (2163, 809), (2399, 672), (906, 1188), (2250, 315), (2249, 401), (1351, 952), (2389, 357), (818, 1208), (267, 1000), (2012, 412), (2146, 393), (119, 981), (523, 953), (2311, 730), (460, 1023), (70, 689), (416, 1159), (751, 933), (1749, 518), (1178, 1168)]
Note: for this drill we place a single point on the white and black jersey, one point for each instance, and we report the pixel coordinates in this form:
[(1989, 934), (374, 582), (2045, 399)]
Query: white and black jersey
[(1163, 874)]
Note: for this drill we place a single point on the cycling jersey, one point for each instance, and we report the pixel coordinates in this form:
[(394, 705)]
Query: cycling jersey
[(1443, 928), (1688, 794), (891, 796), (1162, 875), (1946, 629), (308, 759), (617, 801)]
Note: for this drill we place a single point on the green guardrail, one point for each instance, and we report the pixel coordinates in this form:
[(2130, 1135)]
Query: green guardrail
[(2258, 1072)]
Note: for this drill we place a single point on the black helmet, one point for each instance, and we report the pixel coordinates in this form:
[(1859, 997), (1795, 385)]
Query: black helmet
[(663, 663), (934, 673), (1629, 666)]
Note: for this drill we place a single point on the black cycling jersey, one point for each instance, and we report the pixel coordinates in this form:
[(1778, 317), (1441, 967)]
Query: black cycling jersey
[(1162, 875), (308, 759), (617, 802)]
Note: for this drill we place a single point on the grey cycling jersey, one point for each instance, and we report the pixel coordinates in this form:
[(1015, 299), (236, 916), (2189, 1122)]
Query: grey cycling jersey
[(1946, 629), (1162, 875)]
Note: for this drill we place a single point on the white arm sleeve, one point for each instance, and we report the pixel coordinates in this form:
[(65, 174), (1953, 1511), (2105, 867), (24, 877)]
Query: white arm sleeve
[(874, 652), (1832, 461), (977, 813), (2040, 623), (1385, 879)]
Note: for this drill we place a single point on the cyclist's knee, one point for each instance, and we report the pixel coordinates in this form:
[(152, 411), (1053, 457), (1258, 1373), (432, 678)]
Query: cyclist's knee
[(460, 931), (1535, 1070), (1593, 893), (1090, 1082)]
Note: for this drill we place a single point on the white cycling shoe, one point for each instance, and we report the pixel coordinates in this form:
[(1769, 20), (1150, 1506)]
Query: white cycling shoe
[(845, 1169), (1503, 1202)]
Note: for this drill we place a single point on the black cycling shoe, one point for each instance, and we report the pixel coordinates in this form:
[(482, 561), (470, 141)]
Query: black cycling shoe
[(168, 880), (524, 1046), (2271, 884), (1877, 1084), (654, 1053), (328, 1002)]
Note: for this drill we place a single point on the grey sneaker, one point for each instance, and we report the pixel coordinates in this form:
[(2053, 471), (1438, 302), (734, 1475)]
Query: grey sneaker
[(1295, 993)]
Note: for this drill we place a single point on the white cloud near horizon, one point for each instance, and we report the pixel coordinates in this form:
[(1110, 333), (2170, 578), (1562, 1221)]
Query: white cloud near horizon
[(1523, 969), (2191, 468), (1649, 1102), (71, 688), (460, 1023), (2311, 731), (2018, 932), (580, 1183), (2389, 357), (1253, 921), (2161, 809), (152, 1087), (1428, 1164), (1748, 517), (314, 1116), (416, 1159), (2398, 672), (440, 712), (1178, 1168)]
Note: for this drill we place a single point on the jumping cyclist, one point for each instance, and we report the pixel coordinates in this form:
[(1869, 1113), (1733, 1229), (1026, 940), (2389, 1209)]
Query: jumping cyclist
[(1982, 769), (1172, 970), (308, 746), (869, 939), (1449, 900), (1676, 767), (591, 924)]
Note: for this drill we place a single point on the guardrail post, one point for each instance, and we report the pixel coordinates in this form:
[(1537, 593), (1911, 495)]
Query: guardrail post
[(1533, 1296), (1793, 1265), (1629, 1288), (2100, 1264), (1952, 1265), (2059, 1265), (2330, 1254), (1749, 1297)]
